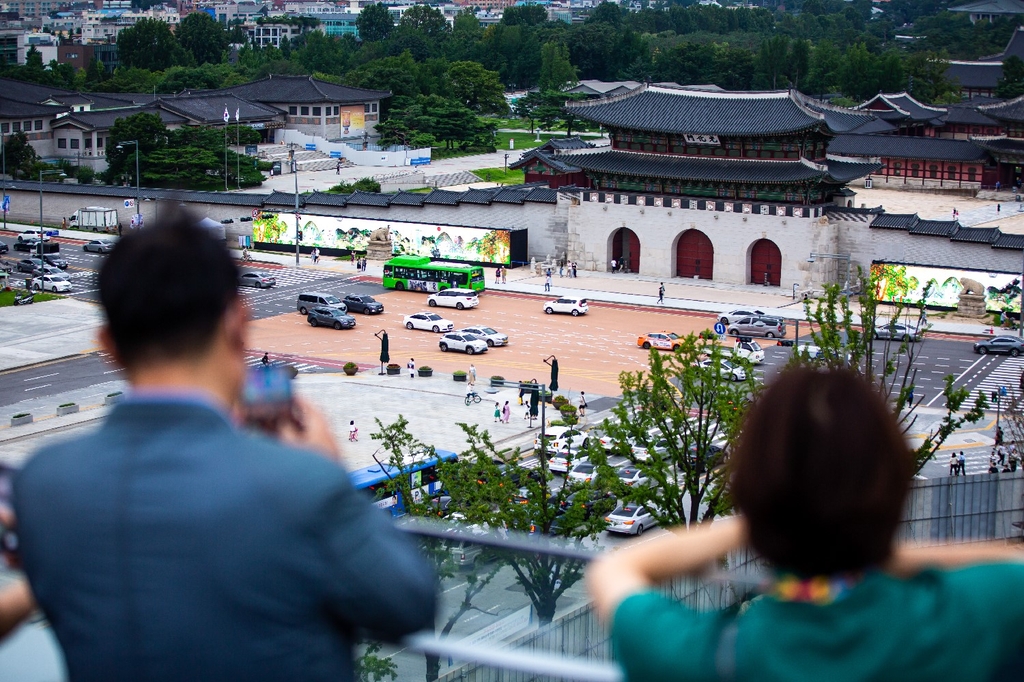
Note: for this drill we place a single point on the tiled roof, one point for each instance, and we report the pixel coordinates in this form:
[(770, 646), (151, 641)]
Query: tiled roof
[(936, 228), (701, 169), (975, 74), (670, 110), (561, 144), (408, 199), (558, 164), (326, 199), (13, 108), (512, 195), (276, 198), (906, 147), (30, 92), (358, 198), (1010, 110), (1001, 145), (991, 7), (968, 114), (839, 119), (846, 171), (902, 106), (301, 89), (896, 221), (976, 235), (477, 196), (209, 109), (875, 125), (543, 195), (1009, 241), (443, 197), (105, 118)]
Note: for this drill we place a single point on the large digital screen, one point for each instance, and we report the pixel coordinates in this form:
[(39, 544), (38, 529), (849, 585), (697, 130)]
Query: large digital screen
[(446, 242), (908, 284)]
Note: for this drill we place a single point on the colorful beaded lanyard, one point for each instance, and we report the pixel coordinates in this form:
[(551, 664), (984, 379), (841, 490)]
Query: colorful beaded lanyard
[(819, 590)]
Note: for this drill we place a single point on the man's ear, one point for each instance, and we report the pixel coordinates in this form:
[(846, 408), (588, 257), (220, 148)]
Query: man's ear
[(106, 340), (236, 325)]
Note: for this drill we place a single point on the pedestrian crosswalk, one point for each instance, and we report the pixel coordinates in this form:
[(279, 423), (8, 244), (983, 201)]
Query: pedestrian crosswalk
[(305, 367), (291, 276), (1006, 372)]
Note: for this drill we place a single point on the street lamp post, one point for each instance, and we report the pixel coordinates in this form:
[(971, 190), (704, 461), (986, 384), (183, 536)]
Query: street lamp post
[(3, 152), (138, 208), (298, 232), (41, 174)]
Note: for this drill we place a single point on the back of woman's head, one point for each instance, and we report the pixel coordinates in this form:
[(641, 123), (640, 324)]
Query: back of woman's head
[(821, 472)]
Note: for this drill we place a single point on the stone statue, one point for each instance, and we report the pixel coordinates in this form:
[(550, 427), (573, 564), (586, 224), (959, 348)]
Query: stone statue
[(971, 301), (381, 234)]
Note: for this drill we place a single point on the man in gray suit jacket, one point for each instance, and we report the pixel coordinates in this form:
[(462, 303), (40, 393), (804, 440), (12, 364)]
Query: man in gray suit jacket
[(169, 544)]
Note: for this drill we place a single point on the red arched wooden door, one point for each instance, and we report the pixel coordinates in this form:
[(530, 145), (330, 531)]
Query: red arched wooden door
[(626, 249), (695, 256), (765, 263)]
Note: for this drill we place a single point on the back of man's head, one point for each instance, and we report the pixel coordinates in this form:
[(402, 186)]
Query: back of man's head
[(165, 291)]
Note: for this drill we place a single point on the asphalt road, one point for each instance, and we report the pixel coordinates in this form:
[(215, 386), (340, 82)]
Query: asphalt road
[(56, 377)]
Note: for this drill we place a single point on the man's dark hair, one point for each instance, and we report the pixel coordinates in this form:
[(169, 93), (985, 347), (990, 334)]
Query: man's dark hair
[(165, 290), (821, 473)]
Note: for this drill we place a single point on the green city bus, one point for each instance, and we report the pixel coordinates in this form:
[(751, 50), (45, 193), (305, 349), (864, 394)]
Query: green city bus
[(419, 273)]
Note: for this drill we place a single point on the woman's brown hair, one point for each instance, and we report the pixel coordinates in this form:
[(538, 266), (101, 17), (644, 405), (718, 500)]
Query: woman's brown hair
[(821, 472)]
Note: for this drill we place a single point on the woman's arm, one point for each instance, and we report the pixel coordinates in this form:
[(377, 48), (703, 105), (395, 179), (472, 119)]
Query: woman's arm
[(16, 604), (620, 574), (909, 560)]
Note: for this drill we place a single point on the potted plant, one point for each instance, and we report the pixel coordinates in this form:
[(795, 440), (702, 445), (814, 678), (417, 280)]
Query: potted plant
[(459, 375), (568, 413), (66, 408), (350, 368), (497, 381), (394, 369), (113, 398), (425, 371), (559, 400), (21, 418)]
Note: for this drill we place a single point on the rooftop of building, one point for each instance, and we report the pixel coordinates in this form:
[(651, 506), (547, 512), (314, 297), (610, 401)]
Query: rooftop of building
[(906, 147), (302, 90)]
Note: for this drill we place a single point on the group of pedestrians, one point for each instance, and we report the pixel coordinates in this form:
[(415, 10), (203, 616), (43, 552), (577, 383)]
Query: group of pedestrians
[(566, 268), (502, 413), (314, 255), (500, 274), (957, 464), (360, 265)]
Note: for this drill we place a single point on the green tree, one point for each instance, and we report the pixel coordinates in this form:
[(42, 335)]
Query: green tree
[(476, 88), (927, 73), (202, 37), (151, 134), (96, 73), (858, 73), (1012, 83), (428, 20), (21, 157), (826, 62), (375, 23), (360, 185), (772, 61), (556, 71), (524, 15), (848, 340), (149, 44), (799, 62), (606, 13), (675, 423)]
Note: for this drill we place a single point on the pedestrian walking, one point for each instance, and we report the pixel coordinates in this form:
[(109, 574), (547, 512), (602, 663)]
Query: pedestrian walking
[(411, 365), (661, 293), (497, 412), (472, 373), (266, 360), (963, 463), (999, 435), (504, 273), (999, 207), (547, 281), (561, 269), (583, 404), (522, 392), (506, 412), (992, 468), (954, 465), (497, 275), (1001, 454), (337, 169), (614, 264), (574, 269), (353, 431), (352, 257)]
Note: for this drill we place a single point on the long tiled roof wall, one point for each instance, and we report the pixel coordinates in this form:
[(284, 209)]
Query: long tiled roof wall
[(948, 229), (906, 147), (671, 110), (302, 89), (1010, 110)]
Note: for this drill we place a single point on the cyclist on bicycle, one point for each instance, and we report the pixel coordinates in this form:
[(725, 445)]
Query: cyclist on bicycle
[(245, 254), (470, 392)]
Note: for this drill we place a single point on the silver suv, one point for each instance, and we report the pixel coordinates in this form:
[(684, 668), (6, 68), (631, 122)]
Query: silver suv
[(758, 325), (462, 341)]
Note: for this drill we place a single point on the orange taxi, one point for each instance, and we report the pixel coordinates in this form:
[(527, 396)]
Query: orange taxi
[(660, 340)]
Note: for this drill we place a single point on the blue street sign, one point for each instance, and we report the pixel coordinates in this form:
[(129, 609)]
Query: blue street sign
[(335, 155), (719, 328), (419, 161), (1002, 391), (310, 146), (6, 206)]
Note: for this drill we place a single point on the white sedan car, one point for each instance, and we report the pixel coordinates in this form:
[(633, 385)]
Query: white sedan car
[(630, 519), (584, 471), (491, 336), (54, 283), (573, 306), (728, 370), (733, 315), (430, 322)]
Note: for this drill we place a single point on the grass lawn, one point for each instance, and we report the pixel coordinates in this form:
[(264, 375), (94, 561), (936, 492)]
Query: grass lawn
[(512, 177), (7, 297), (527, 140)]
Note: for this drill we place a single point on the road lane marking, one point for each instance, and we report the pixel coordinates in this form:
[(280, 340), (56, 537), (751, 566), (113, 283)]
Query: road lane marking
[(32, 388), (956, 380), (42, 377)]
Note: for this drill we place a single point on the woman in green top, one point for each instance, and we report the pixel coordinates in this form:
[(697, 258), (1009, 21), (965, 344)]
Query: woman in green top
[(820, 477)]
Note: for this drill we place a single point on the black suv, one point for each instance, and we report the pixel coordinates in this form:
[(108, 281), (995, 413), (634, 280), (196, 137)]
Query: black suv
[(363, 304)]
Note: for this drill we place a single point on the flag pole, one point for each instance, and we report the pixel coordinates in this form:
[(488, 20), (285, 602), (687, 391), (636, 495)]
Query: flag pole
[(227, 118), (238, 157)]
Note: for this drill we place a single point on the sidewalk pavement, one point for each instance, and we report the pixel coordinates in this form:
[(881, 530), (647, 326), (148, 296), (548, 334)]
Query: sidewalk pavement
[(47, 331)]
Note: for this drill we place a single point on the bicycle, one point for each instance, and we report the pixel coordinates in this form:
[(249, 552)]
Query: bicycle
[(473, 397), (246, 257)]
